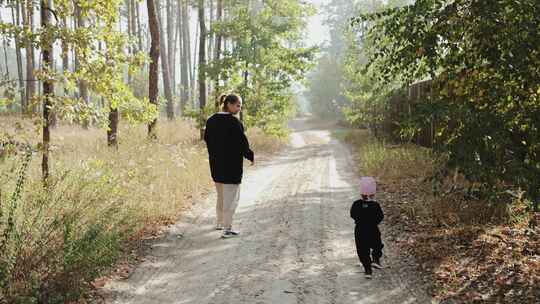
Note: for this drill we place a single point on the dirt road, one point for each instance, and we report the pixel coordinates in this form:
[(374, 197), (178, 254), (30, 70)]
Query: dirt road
[(296, 243)]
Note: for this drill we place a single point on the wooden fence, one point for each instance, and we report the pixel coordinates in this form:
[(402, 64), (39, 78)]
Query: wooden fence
[(401, 108)]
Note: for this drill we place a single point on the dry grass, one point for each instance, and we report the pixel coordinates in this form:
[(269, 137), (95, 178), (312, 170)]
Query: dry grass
[(160, 177), (264, 144), (474, 251), (100, 201), (391, 162)]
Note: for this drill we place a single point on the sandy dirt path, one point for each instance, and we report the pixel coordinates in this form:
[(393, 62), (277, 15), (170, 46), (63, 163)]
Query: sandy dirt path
[(296, 243)]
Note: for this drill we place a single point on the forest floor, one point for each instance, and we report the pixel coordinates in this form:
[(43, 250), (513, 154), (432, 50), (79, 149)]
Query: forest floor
[(296, 243), (471, 249)]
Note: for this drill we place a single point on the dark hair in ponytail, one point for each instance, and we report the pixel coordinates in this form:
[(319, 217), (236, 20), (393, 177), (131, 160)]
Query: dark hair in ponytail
[(227, 99)]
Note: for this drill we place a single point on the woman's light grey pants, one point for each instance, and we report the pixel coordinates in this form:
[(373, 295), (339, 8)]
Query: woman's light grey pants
[(228, 196)]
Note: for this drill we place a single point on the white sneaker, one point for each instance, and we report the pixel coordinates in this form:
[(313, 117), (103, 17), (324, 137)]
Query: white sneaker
[(368, 276), (376, 265)]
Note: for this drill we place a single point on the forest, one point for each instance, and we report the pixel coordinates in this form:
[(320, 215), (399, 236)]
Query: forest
[(103, 106), (100, 106)]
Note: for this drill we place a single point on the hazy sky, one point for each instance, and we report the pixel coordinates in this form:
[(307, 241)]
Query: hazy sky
[(317, 32)]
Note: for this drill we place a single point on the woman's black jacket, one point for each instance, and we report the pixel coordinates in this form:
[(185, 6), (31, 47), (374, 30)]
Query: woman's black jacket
[(227, 146)]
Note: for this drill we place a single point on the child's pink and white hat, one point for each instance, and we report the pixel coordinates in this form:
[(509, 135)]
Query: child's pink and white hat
[(368, 186)]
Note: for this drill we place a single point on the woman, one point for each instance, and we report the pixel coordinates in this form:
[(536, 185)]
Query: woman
[(227, 147)]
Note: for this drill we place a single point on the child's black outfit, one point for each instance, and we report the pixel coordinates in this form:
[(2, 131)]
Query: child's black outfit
[(367, 216)]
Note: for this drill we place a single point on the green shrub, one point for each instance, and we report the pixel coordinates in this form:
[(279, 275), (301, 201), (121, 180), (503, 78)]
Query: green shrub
[(62, 237)]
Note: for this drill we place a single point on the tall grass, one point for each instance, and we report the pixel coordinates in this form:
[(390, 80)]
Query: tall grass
[(55, 241), (263, 143)]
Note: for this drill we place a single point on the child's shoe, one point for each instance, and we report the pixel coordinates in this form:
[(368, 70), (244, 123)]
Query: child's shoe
[(368, 274), (376, 264)]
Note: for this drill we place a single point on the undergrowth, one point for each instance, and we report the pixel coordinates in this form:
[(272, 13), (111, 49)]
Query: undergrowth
[(476, 248)]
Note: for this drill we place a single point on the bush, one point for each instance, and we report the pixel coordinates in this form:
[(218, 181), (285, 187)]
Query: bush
[(57, 240)]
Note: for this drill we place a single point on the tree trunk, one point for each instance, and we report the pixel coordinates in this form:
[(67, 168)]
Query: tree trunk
[(28, 16), (130, 31), (112, 131), (16, 16), (65, 51), (139, 28), (217, 55), (210, 38), (171, 42), (83, 87), (245, 88), (127, 4), (7, 75), (65, 68), (194, 68), (186, 56), (48, 90), (202, 64), (114, 117), (154, 57), (5, 53), (128, 21), (165, 70), (6, 58), (133, 22), (176, 59)]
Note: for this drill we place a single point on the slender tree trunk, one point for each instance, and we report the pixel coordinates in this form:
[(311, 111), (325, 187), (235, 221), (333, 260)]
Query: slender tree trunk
[(186, 62), (75, 64), (177, 60), (154, 57), (171, 42), (6, 59), (7, 75), (139, 27), (5, 53), (28, 16), (65, 52), (202, 63), (16, 16), (130, 31), (194, 67), (245, 88), (133, 14), (183, 61), (48, 90), (210, 41), (114, 116), (224, 40), (83, 87), (165, 70), (53, 119), (112, 131), (128, 16), (65, 69), (217, 55), (210, 38)]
